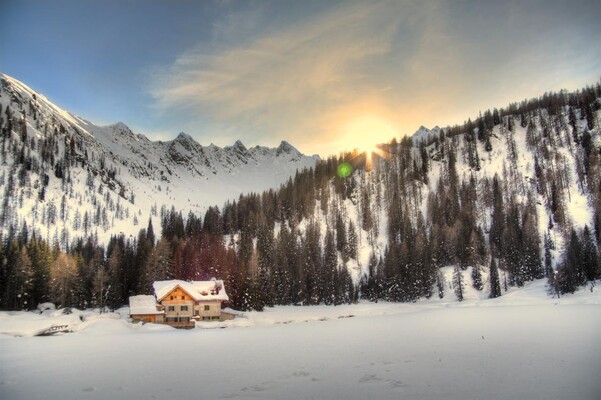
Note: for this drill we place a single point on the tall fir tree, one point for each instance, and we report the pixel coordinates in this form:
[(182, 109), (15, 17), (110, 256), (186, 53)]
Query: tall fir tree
[(458, 285), (495, 284), (477, 278)]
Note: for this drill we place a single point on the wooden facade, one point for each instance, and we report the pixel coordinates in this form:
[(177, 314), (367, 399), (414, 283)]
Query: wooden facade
[(148, 318), (180, 303), (178, 306)]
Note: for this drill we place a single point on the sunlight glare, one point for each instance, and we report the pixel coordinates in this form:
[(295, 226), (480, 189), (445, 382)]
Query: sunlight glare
[(366, 132)]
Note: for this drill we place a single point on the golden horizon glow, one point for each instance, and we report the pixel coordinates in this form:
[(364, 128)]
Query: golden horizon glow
[(365, 132)]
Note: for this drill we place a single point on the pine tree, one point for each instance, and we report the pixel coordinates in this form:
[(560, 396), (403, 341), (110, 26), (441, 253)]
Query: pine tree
[(590, 264), (590, 116), (150, 232), (440, 284), (510, 124), (513, 243), (41, 260), (571, 273), (369, 282), (329, 269), (23, 281), (311, 260), (549, 272), (345, 290), (476, 278), (458, 283), (531, 262), (495, 284), (265, 260), (352, 241), (523, 120), (367, 219), (425, 163), (488, 144), (9, 267), (497, 224), (81, 291), (24, 129), (245, 247), (341, 238), (116, 275), (159, 266), (572, 122)]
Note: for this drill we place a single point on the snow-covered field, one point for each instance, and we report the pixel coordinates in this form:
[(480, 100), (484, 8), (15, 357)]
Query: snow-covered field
[(524, 345)]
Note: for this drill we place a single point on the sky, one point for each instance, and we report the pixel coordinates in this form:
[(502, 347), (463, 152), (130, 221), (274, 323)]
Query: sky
[(326, 76)]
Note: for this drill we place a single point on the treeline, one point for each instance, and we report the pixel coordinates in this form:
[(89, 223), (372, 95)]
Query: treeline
[(563, 103), (87, 274)]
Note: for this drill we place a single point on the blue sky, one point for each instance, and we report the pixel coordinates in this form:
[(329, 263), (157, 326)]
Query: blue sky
[(324, 75)]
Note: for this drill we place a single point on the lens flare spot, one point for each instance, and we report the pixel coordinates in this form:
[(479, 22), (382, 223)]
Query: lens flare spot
[(344, 170)]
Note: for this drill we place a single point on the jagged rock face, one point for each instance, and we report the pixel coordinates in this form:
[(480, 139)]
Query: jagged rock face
[(89, 168)]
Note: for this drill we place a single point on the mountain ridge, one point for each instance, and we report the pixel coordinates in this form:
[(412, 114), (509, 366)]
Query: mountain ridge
[(144, 173)]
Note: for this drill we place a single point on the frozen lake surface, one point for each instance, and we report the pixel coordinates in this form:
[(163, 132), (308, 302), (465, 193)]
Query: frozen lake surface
[(523, 345)]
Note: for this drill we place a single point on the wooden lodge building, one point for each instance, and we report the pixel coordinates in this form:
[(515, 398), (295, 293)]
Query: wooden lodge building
[(180, 303)]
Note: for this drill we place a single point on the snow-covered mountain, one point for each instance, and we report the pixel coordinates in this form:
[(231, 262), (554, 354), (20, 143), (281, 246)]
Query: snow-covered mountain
[(515, 192), (424, 134), (518, 186), (66, 177)]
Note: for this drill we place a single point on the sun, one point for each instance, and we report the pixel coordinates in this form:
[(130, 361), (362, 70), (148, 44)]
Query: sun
[(366, 132)]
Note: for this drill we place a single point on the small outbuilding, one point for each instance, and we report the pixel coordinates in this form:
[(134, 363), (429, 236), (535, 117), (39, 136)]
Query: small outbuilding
[(146, 309)]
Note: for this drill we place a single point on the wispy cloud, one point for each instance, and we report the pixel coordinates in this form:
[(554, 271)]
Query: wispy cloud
[(290, 81), (403, 63)]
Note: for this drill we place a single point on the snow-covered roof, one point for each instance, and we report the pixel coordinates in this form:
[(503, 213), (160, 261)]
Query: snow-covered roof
[(143, 305), (198, 290)]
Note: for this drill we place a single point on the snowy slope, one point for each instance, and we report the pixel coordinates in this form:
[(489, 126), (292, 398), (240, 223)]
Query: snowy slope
[(123, 176), (518, 176)]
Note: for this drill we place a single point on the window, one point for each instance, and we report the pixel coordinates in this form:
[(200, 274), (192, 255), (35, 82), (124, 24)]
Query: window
[(214, 317), (183, 297), (171, 308), (171, 297), (196, 312), (184, 308), (207, 308)]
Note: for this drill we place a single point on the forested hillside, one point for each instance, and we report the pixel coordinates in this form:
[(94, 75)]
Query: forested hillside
[(511, 196)]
